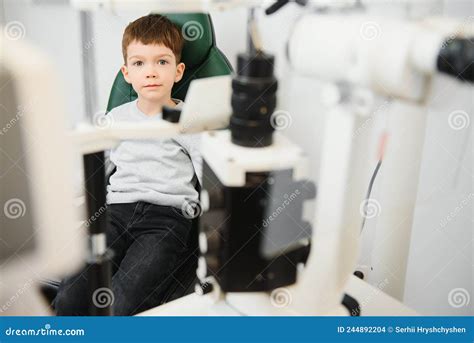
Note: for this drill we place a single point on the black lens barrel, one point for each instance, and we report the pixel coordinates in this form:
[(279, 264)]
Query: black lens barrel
[(253, 100)]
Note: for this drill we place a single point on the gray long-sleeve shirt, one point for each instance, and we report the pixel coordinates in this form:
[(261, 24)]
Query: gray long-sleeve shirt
[(162, 172)]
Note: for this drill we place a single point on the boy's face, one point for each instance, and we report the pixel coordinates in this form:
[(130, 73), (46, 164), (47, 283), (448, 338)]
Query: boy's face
[(152, 71)]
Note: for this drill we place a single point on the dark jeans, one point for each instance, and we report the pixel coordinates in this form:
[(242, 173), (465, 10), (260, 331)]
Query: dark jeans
[(148, 242)]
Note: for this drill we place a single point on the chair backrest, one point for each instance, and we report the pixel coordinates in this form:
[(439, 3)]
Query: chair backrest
[(200, 55)]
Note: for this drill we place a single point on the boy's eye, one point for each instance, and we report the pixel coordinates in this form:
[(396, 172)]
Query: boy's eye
[(162, 62), (138, 63)]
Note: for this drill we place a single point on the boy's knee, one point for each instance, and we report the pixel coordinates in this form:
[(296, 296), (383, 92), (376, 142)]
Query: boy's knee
[(72, 298), (66, 304)]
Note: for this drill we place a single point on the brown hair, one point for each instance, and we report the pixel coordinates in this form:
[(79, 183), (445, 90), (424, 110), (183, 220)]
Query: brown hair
[(153, 29)]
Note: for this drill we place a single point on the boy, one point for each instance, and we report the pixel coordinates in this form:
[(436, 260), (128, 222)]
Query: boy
[(154, 180)]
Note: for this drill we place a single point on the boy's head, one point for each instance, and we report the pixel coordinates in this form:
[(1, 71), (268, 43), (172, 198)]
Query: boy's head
[(151, 48)]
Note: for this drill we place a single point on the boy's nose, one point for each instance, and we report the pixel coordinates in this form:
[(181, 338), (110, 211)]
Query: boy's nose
[(151, 73)]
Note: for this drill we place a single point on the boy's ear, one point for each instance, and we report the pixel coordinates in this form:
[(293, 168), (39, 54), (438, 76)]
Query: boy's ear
[(179, 72), (124, 70)]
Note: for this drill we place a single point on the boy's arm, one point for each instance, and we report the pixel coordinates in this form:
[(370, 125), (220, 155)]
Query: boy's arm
[(109, 166), (191, 143), (196, 157)]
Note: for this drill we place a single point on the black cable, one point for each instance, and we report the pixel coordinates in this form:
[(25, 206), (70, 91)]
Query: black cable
[(280, 3), (276, 6), (371, 184)]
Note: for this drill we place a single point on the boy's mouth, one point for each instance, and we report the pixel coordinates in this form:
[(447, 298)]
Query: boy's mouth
[(154, 85)]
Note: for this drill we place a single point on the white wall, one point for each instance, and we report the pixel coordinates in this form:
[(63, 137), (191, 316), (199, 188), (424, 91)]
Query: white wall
[(56, 30), (441, 254)]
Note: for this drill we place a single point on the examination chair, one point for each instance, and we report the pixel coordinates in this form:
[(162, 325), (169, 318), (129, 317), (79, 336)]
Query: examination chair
[(202, 59)]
